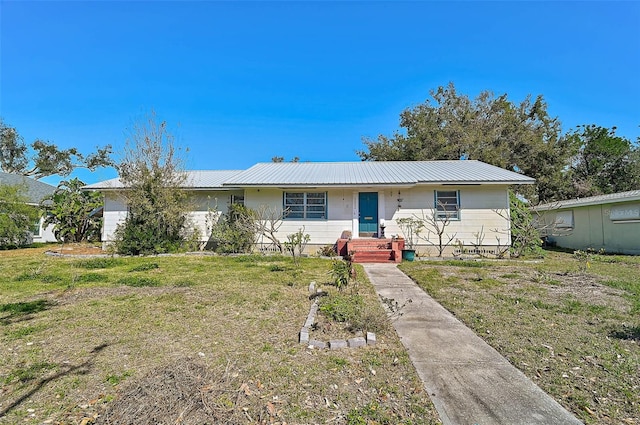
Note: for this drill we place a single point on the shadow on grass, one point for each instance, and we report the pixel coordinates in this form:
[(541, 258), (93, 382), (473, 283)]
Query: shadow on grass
[(22, 310), (80, 369), (630, 333)]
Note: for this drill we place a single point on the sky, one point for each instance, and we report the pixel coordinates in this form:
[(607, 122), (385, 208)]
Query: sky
[(241, 82)]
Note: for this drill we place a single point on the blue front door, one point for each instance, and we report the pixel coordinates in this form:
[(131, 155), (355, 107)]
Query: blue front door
[(368, 202)]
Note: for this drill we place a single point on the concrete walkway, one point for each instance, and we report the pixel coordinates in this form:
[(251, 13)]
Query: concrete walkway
[(468, 381)]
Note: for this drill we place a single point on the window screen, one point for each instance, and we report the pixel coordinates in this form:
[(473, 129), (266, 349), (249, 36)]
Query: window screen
[(447, 204), (305, 205)]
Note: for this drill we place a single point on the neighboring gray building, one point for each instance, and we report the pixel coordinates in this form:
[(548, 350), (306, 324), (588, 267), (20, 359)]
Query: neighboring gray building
[(35, 191), (609, 222)]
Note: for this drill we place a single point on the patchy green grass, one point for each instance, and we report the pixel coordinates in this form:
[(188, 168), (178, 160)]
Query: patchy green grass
[(138, 281), (575, 334), (76, 346)]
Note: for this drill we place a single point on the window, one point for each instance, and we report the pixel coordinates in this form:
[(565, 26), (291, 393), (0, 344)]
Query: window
[(35, 228), (447, 204), (237, 199), (305, 205), (626, 212), (564, 220)]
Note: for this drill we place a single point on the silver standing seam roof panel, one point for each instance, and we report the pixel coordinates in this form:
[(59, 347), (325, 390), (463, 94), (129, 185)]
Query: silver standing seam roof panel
[(289, 174), (379, 173), (199, 179)]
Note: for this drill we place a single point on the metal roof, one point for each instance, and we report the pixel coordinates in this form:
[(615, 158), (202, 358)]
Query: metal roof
[(198, 179), (36, 190), (632, 195), (291, 174), (375, 173)]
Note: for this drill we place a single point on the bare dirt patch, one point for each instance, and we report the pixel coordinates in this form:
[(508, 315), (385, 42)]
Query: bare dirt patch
[(188, 392), (76, 249)]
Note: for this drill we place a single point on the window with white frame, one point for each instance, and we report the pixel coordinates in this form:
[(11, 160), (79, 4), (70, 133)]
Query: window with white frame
[(447, 204), (305, 205)]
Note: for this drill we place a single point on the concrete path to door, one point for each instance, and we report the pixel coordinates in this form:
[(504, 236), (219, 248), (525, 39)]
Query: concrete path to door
[(468, 381)]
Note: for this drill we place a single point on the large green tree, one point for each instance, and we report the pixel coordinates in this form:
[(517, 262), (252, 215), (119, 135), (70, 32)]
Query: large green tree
[(42, 158), (71, 211), (17, 218), (518, 136), (153, 175), (605, 163)]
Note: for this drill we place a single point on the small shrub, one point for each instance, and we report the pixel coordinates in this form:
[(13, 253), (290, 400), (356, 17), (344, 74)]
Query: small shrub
[(276, 268), (296, 242), (327, 251), (144, 267), (230, 233), (341, 273), (138, 281), (369, 319), (585, 258), (139, 236), (342, 308)]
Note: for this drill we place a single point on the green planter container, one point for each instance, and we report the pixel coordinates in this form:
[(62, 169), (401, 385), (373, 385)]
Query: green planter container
[(408, 254)]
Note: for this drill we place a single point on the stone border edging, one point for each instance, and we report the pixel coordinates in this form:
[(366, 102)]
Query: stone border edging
[(334, 344)]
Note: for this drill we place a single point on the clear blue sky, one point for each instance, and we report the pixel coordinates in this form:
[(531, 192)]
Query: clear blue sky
[(241, 82)]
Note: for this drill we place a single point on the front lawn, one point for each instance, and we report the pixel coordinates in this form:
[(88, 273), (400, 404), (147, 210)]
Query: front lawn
[(570, 324), (186, 339)]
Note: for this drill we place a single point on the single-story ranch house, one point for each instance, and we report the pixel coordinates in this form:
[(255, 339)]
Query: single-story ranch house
[(332, 199), (610, 222)]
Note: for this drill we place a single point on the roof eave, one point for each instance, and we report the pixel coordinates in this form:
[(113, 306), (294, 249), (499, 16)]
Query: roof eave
[(325, 185), (476, 183), (576, 204)]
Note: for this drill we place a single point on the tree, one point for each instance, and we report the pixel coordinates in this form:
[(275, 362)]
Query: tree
[(153, 175), (281, 159), (525, 234), (605, 163), (520, 137), (295, 245), (43, 158), (69, 209), (17, 218), (436, 222)]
